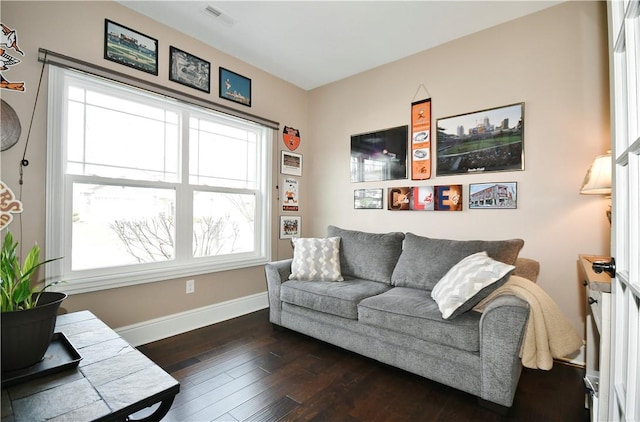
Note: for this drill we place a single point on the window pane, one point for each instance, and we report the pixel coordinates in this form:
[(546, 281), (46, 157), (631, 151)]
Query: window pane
[(121, 225), (221, 155), (223, 223), (112, 137)]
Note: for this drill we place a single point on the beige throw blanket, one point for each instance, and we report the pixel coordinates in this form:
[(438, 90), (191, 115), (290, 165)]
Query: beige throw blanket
[(549, 334)]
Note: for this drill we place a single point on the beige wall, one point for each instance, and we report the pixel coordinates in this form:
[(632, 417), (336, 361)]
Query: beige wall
[(555, 62), (76, 29)]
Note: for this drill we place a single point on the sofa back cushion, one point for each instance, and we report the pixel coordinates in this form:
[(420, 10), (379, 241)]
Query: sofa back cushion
[(424, 261), (369, 256)]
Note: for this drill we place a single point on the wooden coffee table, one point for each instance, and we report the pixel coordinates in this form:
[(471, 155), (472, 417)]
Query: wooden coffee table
[(111, 382)]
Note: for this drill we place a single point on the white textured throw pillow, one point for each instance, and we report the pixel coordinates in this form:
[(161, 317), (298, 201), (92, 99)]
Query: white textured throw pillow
[(468, 282), (316, 259)]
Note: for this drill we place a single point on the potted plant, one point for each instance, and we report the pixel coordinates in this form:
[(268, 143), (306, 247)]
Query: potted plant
[(28, 312)]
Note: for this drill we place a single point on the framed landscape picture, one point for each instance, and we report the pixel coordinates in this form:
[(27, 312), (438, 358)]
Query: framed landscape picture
[(483, 141), (189, 70), (235, 87), (499, 195), (130, 48), (368, 199), (291, 163)]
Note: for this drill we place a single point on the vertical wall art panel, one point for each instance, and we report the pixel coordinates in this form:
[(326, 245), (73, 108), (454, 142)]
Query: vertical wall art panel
[(421, 139)]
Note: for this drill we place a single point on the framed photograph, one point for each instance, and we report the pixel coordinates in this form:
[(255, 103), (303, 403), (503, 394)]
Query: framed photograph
[(235, 87), (130, 48), (499, 195), (371, 199), (291, 163), (289, 194), (483, 141), (189, 70), (290, 226)]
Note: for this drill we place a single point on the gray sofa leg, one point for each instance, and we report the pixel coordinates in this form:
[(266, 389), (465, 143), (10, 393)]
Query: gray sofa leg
[(494, 407)]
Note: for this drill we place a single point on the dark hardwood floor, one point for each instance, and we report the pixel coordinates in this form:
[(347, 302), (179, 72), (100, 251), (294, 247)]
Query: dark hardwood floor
[(244, 370)]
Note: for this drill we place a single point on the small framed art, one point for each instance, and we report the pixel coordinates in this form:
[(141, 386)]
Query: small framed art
[(291, 163), (235, 87), (499, 195), (130, 48), (189, 70), (370, 199), (290, 226)]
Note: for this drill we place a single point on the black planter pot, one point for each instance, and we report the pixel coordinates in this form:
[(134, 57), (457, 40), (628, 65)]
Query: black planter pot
[(26, 335)]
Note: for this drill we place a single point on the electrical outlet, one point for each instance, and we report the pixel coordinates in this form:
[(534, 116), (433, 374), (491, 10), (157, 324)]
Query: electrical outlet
[(191, 286)]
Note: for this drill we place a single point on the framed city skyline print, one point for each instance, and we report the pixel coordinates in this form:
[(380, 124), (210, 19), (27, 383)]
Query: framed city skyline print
[(235, 87), (130, 48), (483, 141)]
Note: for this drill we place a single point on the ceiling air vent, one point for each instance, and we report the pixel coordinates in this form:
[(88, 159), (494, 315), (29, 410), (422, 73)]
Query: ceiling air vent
[(219, 14)]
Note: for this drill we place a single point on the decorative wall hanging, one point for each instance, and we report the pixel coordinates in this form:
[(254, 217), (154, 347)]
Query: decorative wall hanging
[(9, 126), (290, 163), (9, 205), (290, 194), (189, 70), (291, 138), (421, 140), (448, 198), (399, 199), (380, 155), (367, 199), (9, 40), (425, 198), (130, 48), (235, 87), (290, 226), (482, 141), (499, 195)]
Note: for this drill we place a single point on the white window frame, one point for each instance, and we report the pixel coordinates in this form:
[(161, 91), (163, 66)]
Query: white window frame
[(58, 212)]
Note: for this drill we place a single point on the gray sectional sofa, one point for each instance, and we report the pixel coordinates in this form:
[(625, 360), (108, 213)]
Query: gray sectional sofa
[(383, 309)]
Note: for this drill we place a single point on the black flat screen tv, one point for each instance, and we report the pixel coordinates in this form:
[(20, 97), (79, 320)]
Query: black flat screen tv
[(380, 155)]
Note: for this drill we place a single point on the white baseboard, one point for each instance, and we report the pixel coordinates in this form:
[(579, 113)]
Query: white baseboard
[(171, 325)]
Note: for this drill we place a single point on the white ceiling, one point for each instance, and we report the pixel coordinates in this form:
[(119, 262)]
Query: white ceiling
[(313, 43)]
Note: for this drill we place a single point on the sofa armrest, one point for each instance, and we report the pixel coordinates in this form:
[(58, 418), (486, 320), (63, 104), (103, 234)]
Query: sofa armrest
[(502, 328), (277, 272), (527, 268)]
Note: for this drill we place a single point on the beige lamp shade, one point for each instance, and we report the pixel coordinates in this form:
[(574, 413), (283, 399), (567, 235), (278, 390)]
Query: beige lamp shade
[(597, 181)]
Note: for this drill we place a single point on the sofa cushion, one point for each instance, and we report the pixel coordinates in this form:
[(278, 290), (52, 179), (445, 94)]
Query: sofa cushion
[(415, 313), (369, 256), (468, 282), (339, 298), (424, 261), (316, 259)]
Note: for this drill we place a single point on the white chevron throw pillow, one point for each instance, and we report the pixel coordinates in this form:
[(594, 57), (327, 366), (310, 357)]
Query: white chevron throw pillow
[(468, 282), (316, 259)]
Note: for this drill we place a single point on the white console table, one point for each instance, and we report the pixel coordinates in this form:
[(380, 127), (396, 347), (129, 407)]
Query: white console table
[(598, 335)]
